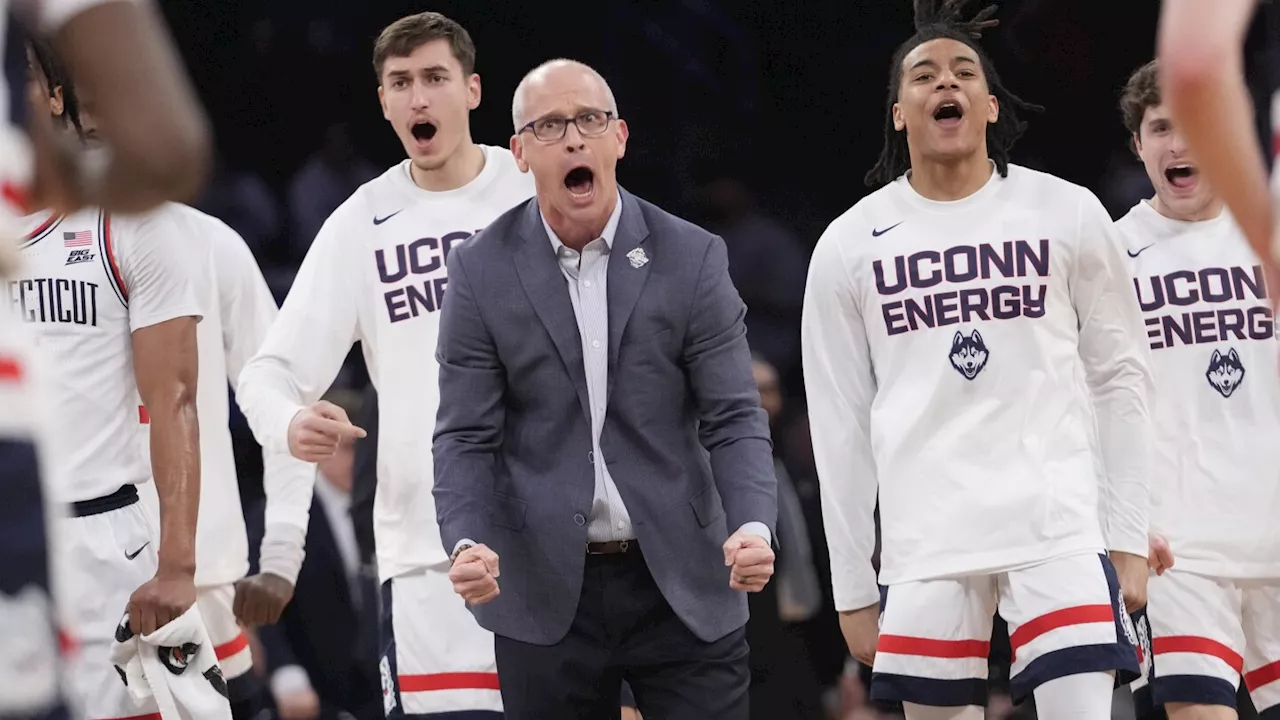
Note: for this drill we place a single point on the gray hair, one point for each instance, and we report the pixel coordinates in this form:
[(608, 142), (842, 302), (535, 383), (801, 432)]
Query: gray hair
[(517, 100)]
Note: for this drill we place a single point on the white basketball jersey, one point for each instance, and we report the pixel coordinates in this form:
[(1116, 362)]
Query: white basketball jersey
[(1215, 488), (949, 353), (376, 273), (86, 282)]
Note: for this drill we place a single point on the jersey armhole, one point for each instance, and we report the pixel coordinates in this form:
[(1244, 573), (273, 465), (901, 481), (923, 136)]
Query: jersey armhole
[(107, 256)]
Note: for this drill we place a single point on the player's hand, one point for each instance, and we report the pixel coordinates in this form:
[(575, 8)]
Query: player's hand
[(163, 598), (316, 431), (475, 574), (1132, 571), (298, 705), (861, 630), (750, 561), (630, 713), (261, 598), (1159, 556)]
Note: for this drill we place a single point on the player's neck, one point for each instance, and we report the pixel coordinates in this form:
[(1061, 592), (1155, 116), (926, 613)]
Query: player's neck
[(953, 180), (576, 233), (1211, 210), (461, 168)]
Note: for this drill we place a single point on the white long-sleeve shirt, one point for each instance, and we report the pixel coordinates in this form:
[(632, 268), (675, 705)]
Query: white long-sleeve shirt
[(376, 274), (949, 351), (238, 312), (1215, 492)]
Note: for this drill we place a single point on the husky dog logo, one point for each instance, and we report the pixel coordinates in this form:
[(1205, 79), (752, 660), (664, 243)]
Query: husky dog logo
[(968, 354), (1225, 372)]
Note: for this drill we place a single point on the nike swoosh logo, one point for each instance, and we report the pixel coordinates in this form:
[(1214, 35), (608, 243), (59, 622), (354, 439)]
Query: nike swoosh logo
[(379, 221), (878, 233), (1136, 254), (134, 554)]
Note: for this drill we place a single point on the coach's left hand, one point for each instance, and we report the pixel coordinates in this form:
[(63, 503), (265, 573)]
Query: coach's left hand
[(750, 561), (1132, 571), (162, 599), (261, 598)]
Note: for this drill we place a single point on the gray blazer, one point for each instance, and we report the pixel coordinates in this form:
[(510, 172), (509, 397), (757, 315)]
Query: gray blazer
[(686, 440)]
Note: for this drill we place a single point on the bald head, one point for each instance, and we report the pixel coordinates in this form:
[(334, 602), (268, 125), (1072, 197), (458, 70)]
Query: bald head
[(558, 71)]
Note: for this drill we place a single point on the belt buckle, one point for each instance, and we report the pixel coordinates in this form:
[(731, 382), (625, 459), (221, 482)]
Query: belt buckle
[(624, 545)]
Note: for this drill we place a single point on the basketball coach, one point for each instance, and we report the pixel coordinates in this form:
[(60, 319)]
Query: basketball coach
[(600, 433)]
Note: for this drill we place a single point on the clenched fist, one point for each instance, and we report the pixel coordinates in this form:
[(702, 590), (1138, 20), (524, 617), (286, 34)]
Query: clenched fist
[(750, 561), (261, 598), (475, 574), (162, 599), (316, 431)]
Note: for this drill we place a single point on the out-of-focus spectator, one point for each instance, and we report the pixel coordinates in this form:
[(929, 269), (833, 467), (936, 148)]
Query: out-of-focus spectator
[(324, 182), (768, 265)]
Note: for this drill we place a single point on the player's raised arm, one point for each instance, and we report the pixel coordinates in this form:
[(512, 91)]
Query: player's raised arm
[(1117, 364), (248, 311), (120, 52), (1200, 47), (302, 353), (163, 313), (840, 384)]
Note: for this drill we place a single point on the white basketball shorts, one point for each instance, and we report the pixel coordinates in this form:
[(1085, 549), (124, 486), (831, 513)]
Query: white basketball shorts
[(230, 644), (109, 550), (435, 658), (1065, 617), (1207, 634)]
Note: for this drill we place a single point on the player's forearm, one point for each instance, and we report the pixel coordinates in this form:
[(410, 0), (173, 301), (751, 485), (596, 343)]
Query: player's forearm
[(269, 399), (144, 104), (1202, 78), (848, 518), (1124, 430), (175, 462), (288, 484)]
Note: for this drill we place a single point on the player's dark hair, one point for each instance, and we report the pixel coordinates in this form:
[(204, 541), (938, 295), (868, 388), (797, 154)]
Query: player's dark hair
[(402, 37), (1142, 91), (56, 76), (935, 20)]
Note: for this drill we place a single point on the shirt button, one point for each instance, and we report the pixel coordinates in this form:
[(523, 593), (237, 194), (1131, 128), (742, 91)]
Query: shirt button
[(595, 344), (579, 520), (621, 525), (586, 283), (591, 456)]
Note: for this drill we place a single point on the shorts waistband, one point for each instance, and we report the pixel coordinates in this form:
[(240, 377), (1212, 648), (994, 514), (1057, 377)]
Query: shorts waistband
[(122, 498)]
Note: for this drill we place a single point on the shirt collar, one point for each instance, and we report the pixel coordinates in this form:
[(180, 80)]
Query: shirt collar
[(610, 228)]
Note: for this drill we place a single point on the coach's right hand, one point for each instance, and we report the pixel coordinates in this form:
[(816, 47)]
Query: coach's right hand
[(316, 431), (162, 599), (861, 630), (475, 574)]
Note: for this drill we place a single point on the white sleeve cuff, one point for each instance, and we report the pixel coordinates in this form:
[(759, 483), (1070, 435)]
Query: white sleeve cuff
[(283, 550), (288, 680)]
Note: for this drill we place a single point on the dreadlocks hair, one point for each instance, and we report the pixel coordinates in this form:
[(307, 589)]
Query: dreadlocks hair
[(934, 20), (56, 76)]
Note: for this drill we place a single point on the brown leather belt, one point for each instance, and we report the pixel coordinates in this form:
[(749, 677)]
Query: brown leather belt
[(613, 547)]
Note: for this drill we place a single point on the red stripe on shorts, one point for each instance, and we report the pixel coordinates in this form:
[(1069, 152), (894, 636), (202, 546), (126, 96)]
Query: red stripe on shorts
[(449, 681), (10, 369), (228, 649), (1079, 615), (152, 716), (1199, 646), (929, 647), (144, 417), (1264, 675)]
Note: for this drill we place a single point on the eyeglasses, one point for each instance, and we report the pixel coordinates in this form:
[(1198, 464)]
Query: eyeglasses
[(590, 124)]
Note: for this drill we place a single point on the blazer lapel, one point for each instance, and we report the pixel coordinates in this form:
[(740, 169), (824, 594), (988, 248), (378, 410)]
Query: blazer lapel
[(548, 292), (629, 263)]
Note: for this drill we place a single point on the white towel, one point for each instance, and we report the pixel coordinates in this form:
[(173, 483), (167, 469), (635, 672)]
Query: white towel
[(175, 665)]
